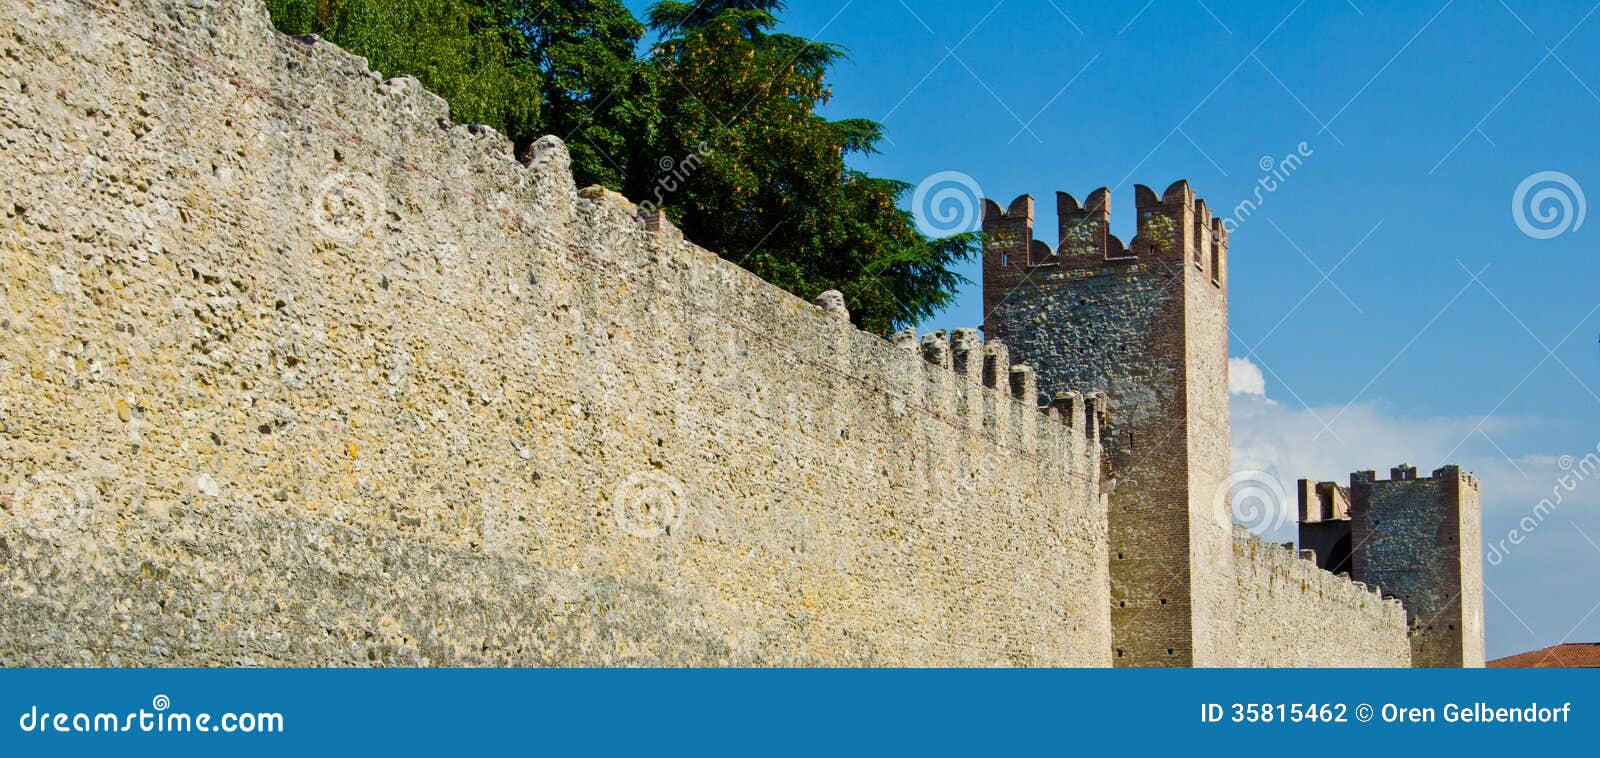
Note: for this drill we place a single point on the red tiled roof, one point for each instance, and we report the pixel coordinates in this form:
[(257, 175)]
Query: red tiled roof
[(1576, 655)]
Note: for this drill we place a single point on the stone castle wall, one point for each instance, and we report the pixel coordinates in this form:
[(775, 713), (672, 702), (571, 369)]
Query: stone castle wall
[(1210, 454), (296, 372), (1289, 613), (1108, 327), (1147, 323), (1420, 539)]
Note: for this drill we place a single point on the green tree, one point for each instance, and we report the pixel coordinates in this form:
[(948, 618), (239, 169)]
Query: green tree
[(773, 191), (458, 49), (596, 94)]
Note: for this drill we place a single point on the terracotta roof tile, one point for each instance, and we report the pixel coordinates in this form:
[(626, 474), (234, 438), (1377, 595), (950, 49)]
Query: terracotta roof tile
[(1576, 655)]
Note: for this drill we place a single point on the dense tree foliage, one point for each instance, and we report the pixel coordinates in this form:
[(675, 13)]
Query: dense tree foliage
[(456, 48), (716, 124), (775, 193), (596, 94)]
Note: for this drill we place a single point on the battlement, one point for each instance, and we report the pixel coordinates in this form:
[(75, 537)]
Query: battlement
[(1290, 560), (1172, 226), (963, 355), (1290, 612), (1408, 473)]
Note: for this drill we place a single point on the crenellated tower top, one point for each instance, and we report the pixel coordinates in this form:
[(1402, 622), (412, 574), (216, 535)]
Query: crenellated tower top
[(1174, 225)]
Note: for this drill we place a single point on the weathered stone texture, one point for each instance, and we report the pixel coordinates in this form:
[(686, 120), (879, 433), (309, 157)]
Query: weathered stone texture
[(1147, 324), (296, 372), (1420, 539), (1289, 613)]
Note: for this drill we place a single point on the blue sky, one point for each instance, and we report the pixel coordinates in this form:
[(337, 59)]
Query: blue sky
[(1394, 307)]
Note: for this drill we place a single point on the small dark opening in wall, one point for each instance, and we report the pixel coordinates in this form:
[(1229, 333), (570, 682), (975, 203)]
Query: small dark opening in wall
[(1119, 652), (1119, 556), (1163, 601), (1130, 440), (1170, 651), (1122, 603)]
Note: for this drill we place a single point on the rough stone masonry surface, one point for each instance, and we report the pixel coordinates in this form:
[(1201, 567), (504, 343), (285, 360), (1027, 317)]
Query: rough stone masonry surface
[(1148, 324), (297, 372)]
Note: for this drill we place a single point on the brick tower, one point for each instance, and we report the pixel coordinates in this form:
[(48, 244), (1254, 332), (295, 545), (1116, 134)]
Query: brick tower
[(1147, 323), (1418, 539)]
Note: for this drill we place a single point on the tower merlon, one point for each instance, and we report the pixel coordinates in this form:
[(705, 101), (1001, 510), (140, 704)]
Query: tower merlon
[(1008, 236), (1097, 415), (1024, 385), (997, 367), (936, 349), (1070, 406), (1172, 225), (966, 354), (905, 339)]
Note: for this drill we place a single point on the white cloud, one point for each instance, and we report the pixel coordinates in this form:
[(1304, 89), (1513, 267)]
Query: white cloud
[(1519, 460), (1244, 378), (1327, 443)]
